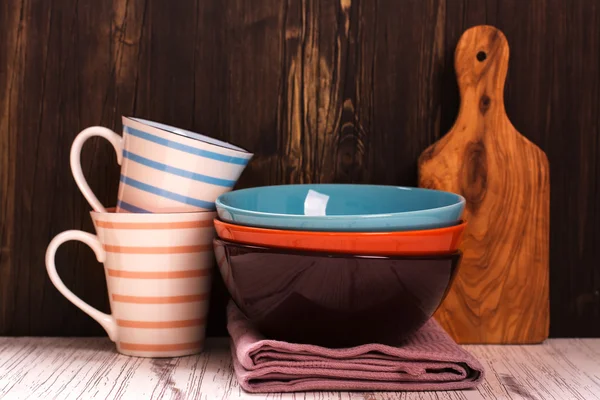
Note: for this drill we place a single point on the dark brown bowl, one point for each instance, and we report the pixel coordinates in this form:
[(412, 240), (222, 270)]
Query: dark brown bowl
[(334, 300)]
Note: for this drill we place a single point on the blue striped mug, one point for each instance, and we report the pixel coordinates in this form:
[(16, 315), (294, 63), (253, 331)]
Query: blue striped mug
[(164, 169)]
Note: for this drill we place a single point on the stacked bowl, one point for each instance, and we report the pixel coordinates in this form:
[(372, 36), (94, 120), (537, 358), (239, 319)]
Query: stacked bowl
[(338, 265)]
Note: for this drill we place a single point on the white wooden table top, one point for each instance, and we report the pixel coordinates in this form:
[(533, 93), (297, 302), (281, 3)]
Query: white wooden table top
[(90, 368)]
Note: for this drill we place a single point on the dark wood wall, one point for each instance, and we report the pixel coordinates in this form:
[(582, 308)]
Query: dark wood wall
[(321, 91)]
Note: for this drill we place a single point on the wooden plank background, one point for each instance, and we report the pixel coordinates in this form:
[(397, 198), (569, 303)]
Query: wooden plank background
[(321, 91)]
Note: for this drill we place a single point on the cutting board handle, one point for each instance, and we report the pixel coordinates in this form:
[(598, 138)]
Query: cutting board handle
[(481, 64)]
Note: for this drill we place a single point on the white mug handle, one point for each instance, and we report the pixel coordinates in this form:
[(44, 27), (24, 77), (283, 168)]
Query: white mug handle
[(106, 320), (115, 139)]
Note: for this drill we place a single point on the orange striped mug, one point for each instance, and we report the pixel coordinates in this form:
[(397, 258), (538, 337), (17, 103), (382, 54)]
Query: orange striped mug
[(158, 271)]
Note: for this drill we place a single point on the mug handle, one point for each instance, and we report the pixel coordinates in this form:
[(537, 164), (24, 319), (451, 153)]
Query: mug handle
[(106, 320), (115, 139)]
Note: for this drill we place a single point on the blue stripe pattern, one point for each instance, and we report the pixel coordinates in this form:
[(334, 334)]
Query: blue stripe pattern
[(131, 208), (184, 148), (177, 171), (166, 194)]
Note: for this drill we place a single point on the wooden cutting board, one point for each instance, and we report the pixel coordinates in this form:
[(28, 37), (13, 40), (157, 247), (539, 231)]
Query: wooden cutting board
[(501, 292)]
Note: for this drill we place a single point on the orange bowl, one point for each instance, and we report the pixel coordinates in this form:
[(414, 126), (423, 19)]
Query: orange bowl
[(430, 241)]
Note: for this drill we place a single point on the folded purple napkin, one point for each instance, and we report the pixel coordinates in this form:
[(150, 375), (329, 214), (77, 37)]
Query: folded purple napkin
[(428, 360)]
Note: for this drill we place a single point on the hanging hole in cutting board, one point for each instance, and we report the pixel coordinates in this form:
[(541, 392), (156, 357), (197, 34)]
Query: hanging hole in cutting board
[(481, 56)]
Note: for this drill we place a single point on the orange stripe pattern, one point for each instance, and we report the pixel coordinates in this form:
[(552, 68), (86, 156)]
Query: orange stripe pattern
[(192, 273), (157, 250), (159, 300), (160, 324), (158, 270), (161, 347), (155, 225)]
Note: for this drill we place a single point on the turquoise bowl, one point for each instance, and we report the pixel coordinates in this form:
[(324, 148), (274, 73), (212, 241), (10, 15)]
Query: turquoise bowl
[(341, 207)]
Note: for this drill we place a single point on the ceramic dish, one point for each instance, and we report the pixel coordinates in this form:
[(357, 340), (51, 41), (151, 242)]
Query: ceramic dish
[(334, 300), (341, 207), (430, 241)]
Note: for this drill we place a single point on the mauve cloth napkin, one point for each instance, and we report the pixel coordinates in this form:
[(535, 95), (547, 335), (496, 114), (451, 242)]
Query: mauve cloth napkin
[(428, 360)]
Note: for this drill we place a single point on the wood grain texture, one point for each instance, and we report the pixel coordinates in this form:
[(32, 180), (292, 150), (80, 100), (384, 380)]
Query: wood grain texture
[(90, 368), (329, 91), (501, 293)]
